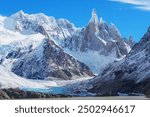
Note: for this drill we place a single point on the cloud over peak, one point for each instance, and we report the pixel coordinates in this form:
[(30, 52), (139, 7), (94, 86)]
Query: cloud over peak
[(139, 4)]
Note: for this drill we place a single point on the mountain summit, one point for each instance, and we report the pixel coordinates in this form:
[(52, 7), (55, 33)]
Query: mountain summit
[(99, 40), (94, 18)]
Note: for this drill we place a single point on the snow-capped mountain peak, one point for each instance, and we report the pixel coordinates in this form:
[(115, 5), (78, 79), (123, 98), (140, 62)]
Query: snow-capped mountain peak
[(21, 12), (97, 39), (105, 41), (56, 29), (19, 15)]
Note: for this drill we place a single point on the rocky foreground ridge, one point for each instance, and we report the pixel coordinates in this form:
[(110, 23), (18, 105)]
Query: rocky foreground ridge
[(130, 75)]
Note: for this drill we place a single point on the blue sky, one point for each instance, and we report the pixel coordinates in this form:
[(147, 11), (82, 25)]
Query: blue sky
[(132, 17)]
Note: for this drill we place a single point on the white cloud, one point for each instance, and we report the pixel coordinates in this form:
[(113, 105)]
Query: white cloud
[(140, 4)]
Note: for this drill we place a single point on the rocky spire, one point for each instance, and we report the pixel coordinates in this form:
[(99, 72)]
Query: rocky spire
[(131, 40), (94, 18), (102, 21), (114, 29), (146, 38), (103, 25)]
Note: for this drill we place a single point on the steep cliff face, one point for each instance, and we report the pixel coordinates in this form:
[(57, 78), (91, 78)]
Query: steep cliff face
[(99, 40), (129, 75)]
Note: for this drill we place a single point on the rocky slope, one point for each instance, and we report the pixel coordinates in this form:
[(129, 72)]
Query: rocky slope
[(129, 75), (49, 60)]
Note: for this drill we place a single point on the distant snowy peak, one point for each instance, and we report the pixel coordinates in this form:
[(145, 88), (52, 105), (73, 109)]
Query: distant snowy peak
[(19, 15), (40, 23), (98, 36)]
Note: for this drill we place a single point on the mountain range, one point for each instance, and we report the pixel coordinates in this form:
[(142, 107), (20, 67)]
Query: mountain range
[(38, 47)]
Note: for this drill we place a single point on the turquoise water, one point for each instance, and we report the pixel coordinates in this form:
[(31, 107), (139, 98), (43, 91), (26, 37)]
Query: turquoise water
[(84, 95), (52, 90), (58, 90)]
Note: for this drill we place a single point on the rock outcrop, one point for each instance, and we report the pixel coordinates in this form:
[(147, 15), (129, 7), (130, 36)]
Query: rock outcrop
[(20, 94)]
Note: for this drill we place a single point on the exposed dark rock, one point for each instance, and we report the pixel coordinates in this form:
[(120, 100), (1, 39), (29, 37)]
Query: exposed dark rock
[(19, 94), (49, 60), (1, 60)]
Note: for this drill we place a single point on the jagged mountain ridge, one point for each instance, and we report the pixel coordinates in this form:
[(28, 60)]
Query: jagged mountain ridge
[(99, 40), (62, 32), (98, 36), (39, 23), (129, 75)]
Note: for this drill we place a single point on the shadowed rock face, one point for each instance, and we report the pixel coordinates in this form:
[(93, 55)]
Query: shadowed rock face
[(129, 75), (49, 60)]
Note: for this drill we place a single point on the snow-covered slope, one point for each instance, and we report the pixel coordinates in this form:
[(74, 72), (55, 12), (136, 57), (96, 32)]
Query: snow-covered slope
[(53, 86), (39, 23), (14, 42), (11, 40), (132, 74), (93, 59), (10, 80)]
